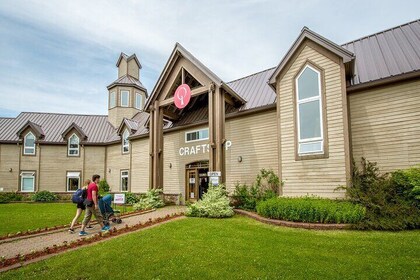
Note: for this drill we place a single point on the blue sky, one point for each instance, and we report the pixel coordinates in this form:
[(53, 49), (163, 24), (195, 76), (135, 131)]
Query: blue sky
[(59, 56)]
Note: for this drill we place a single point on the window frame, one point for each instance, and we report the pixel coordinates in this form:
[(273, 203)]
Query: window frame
[(73, 149), (323, 153), (112, 99), (138, 94), (29, 147), (72, 177), (123, 145), (33, 177), (195, 131), (128, 179), (128, 97)]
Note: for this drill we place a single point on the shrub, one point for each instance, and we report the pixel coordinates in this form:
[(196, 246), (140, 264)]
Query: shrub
[(311, 210), (390, 199), (44, 196), (103, 187), (9, 197), (215, 204), (152, 199), (131, 198)]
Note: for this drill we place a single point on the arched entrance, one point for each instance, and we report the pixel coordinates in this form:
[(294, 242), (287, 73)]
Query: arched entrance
[(196, 180)]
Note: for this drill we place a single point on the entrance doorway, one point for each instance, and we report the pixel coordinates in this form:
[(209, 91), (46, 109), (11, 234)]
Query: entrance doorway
[(197, 181)]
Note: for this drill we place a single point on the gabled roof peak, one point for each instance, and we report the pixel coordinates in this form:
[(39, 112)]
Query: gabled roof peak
[(37, 129), (75, 127), (128, 58)]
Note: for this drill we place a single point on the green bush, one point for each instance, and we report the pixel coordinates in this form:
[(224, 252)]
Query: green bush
[(311, 210), (9, 197), (44, 196), (214, 204), (266, 186), (152, 199), (103, 187), (391, 200), (131, 198)]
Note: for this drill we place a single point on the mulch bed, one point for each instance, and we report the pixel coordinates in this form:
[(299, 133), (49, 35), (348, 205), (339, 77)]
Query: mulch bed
[(318, 226), (58, 248)]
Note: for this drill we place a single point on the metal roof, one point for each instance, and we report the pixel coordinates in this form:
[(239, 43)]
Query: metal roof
[(127, 80), (387, 53), (96, 127)]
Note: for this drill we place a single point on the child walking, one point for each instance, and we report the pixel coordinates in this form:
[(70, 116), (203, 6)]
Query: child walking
[(80, 208)]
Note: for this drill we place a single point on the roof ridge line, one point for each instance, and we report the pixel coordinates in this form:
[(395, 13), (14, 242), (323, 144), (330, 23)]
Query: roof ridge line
[(68, 114), (379, 32), (247, 76)]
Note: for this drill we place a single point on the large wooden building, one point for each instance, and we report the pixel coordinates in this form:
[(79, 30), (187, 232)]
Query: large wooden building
[(306, 118)]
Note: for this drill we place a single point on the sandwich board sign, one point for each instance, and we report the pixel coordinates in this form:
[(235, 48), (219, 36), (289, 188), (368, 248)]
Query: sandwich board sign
[(119, 198)]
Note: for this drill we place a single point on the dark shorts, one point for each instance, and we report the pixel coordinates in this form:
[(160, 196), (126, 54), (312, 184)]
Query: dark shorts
[(81, 205)]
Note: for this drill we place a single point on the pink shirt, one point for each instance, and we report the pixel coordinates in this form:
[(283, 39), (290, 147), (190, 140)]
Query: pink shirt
[(92, 187)]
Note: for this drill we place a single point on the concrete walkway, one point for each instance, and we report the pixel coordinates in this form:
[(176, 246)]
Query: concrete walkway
[(39, 242)]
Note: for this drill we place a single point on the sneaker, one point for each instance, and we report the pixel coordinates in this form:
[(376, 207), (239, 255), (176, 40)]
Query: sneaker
[(83, 233), (71, 230), (89, 227), (105, 228)]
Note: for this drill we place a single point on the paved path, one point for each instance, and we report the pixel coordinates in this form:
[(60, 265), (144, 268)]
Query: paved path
[(25, 246)]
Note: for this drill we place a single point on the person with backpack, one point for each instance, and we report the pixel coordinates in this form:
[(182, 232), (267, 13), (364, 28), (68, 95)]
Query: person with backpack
[(78, 198)]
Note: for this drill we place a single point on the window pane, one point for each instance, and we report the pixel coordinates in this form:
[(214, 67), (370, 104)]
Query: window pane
[(29, 151), (138, 101), (29, 140), (124, 98), (124, 184), (204, 134), (28, 184), (310, 147), (74, 140), (112, 100), (308, 84), (73, 184), (73, 152), (310, 120)]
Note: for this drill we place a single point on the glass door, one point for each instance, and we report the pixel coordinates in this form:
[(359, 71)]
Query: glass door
[(191, 191)]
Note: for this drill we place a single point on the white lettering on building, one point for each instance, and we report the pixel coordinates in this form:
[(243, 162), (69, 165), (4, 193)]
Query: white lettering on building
[(200, 149)]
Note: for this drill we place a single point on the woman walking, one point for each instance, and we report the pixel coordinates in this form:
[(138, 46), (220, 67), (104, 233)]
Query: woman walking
[(80, 208)]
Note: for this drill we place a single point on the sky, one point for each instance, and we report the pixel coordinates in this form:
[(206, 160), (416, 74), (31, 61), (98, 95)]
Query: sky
[(59, 56)]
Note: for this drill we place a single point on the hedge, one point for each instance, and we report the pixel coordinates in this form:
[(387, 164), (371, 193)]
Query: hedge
[(311, 210)]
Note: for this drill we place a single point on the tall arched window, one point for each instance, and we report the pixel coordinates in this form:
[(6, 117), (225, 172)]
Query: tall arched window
[(125, 142), (73, 145), (309, 112), (29, 144)]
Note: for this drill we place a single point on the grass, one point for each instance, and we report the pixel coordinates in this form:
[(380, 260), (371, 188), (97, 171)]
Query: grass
[(23, 216), (236, 248)]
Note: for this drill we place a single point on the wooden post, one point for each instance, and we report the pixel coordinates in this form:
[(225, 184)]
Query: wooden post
[(151, 147), (212, 158), (160, 149)]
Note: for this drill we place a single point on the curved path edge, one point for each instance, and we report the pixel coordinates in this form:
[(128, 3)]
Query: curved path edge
[(317, 226)]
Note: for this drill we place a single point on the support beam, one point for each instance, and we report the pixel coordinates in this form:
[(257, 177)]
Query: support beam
[(170, 115), (212, 157)]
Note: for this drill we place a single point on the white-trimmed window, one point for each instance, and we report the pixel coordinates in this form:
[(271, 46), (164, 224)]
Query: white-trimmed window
[(125, 98), (112, 100), (197, 135), (73, 145), (139, 99), (29, 144), (124, 180), (125, 142), (27, 181), (309, 112), (73, 181)]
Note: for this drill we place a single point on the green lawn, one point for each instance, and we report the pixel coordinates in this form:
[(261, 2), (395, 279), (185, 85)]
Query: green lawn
[(236, 248), (16, 217)]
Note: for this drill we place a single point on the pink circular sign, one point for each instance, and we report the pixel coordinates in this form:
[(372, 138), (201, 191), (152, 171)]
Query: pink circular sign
[(182, 96)]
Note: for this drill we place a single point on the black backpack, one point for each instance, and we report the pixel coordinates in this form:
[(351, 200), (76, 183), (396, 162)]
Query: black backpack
[(79, 196)]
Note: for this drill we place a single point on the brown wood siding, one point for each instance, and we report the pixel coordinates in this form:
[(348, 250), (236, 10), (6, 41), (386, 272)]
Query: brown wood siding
[(254, 138), (140, 165), (316, 176), (9, 158), (385, 125), (94, 162)]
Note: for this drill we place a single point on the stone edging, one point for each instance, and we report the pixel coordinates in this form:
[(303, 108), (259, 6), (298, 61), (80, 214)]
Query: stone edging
[(259, 218), (55, 229), (20, 260)]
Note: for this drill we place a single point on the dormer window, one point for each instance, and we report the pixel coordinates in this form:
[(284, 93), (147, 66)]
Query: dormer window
[(29, 144), (125, 98), (73, 145), (125, 142)]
